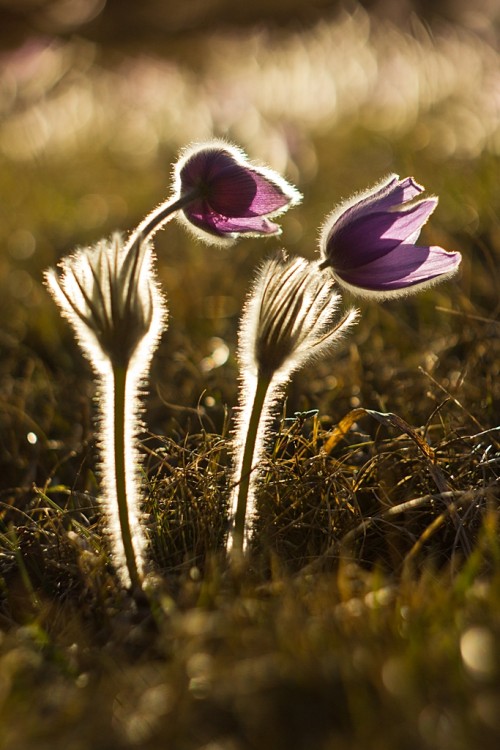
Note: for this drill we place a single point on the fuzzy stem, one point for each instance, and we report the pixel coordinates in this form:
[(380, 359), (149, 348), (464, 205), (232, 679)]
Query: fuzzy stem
[(237, 537), (119, 447), (155, 220)]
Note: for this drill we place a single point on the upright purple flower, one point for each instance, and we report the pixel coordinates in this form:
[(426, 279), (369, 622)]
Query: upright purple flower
[(224, 196), (369, 242)]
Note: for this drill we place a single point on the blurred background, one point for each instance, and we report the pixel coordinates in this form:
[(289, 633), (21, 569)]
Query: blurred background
[(98, 96)]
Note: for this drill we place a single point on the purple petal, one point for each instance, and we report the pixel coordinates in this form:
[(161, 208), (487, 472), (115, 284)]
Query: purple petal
[(386, 195), (220, 181), (371, 236), (231, 188), (270, 197), (201, 166), (398, 193), (232, 191), (241, 191), (405, 266), (220, 226)]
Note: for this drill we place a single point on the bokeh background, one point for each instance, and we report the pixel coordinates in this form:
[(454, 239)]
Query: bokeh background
[(96, 99)]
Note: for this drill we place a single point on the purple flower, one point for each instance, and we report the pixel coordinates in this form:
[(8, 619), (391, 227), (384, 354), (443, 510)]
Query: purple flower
[(223, 195), (369, 242)]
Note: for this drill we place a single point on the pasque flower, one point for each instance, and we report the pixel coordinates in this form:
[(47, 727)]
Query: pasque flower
[(226, 196), (219, 195), (110, 296), (290, 318), (369, 242)]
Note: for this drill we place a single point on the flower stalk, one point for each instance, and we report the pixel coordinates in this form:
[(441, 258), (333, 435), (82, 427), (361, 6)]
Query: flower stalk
[(120, 450), (247, 463), (157, 219)]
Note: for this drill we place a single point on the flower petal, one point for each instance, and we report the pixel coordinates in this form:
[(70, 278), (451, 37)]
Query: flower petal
[(240, 191), (232, 189), (390, 193), (373, 235), (396, 194), (271, 196), (401, 271), (221, 226)]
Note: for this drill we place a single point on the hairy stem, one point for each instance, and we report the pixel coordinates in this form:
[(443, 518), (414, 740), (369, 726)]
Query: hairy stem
[(121, 450), (245, 480), (155, 220)]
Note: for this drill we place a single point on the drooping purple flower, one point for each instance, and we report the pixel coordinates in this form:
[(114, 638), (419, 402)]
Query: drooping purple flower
[(225, 196), (369, 242)]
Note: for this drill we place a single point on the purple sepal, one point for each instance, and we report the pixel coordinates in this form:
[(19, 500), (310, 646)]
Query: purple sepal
[(369, 243), (230, 196)]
